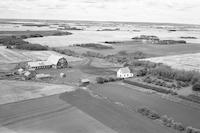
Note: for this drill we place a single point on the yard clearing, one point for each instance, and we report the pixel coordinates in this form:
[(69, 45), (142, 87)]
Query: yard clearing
[(15, 91), (187, 62)]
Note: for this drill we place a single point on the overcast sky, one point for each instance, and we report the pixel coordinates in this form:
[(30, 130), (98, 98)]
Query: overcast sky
[(175, 11)]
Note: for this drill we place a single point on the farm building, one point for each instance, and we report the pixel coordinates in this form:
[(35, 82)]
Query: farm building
[(84, 82), (53, 61), (124, 73)]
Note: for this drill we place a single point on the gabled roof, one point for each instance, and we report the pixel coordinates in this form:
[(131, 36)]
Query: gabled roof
[(39, 63), (124, 70), (53, 59)]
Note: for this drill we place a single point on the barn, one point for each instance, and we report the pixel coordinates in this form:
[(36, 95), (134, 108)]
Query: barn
[(54, 61), (58, 61)]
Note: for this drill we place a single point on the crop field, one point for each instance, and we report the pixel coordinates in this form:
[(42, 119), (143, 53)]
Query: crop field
[(11, 56), (184, 61), (152, 50), (15, 56), (43, 55), (47, 115), (128, 95), (13, 91)]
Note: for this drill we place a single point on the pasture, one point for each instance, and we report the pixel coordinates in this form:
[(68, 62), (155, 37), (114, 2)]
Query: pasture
[(184, 61), (153, 50)]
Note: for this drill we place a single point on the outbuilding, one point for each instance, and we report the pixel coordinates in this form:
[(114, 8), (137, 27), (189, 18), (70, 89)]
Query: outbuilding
[(84, 82)]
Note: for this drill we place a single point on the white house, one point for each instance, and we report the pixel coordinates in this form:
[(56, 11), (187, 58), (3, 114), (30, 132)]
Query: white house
[(124, 73)]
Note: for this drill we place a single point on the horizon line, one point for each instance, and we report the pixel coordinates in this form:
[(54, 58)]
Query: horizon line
[(98, 21)]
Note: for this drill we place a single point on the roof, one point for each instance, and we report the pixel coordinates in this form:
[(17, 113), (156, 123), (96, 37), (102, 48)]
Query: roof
[(124, 70), (53, 59), (39, 63), (85, 80)]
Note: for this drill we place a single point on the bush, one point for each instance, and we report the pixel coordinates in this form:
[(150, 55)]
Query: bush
[(111, 79), (149, 113), (100, 80), (179, 127), (146, 86), (196, 86), (94, 46), (189, 130), (148, 80), (35, 35), (141, 72)]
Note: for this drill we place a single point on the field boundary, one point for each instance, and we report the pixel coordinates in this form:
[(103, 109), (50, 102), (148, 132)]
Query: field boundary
[(146, 86)]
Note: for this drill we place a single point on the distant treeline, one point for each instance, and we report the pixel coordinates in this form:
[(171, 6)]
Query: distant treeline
[(94, 46), (16, 40)]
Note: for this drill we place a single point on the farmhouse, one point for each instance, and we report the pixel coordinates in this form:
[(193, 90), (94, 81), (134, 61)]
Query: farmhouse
[(124, 73), (54, 61)]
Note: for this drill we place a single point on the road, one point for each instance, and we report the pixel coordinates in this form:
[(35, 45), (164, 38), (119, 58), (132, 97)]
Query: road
[(188, 115)]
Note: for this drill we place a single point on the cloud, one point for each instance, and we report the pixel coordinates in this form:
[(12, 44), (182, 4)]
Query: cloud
[(117, 10)]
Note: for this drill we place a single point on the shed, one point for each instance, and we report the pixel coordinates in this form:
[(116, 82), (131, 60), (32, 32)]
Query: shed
[(42, 76), (84, 82), (20, 71)]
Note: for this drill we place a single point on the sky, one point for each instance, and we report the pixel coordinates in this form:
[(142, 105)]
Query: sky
[(167, 11)]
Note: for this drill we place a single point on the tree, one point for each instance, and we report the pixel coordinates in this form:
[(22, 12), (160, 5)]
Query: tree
[(196, 86), (100, 80)]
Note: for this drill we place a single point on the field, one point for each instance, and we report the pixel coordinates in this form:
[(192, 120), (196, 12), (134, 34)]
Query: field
[(81, 37), (43, 55), (47, 115), (128, 95), (152, 49), (13, 91), (15, 56), (184, 61), (11, 56)]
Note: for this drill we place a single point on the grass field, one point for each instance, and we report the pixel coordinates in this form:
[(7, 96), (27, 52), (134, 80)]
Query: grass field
[(15, 56), (43, 55), (184, 61), (13, 91), (186, 114), (11, 56), (151, 49), (47, 115)]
